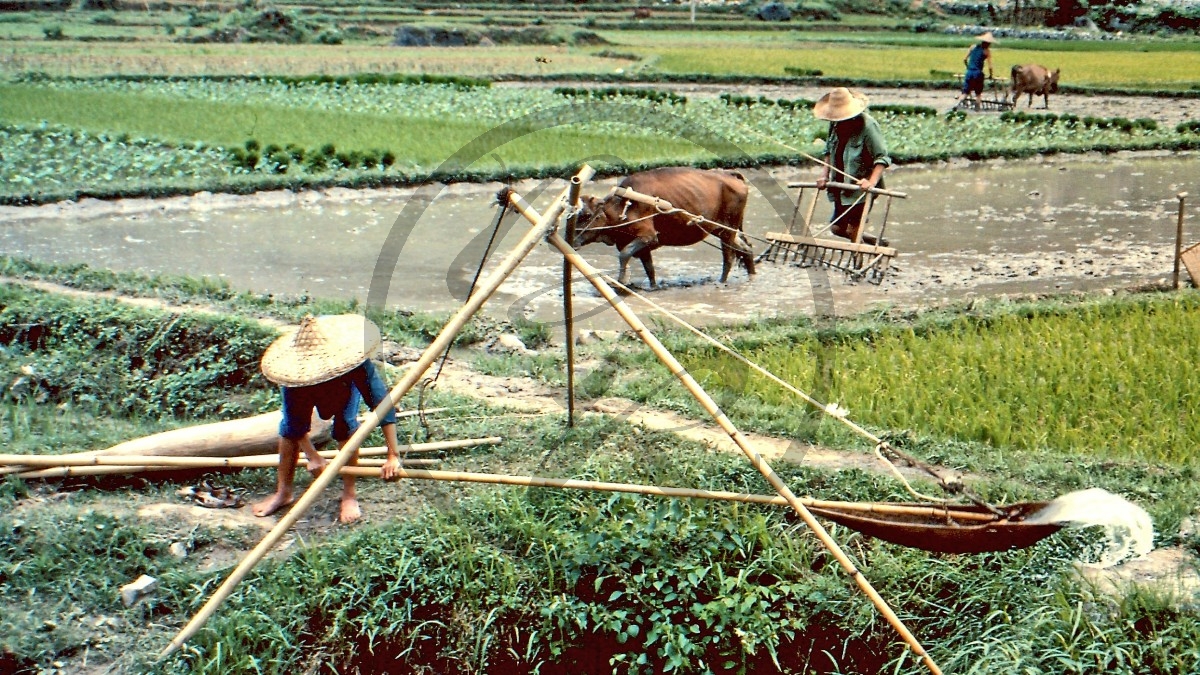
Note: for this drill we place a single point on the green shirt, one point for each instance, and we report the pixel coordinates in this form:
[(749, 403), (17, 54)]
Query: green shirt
[(862, 151)]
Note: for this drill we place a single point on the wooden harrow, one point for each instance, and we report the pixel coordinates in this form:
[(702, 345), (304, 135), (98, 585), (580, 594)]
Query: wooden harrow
[(995, 97), (805, 248)]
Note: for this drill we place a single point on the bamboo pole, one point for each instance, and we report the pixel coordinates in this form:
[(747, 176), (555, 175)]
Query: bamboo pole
[(569, 300), (411, 376), (594, 277), (162, 460), (233, 438), (672, 492), (257, 462), (1179, 237)]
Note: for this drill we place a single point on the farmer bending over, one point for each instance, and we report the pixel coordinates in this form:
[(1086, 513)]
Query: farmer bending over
[(326, 365), (857, 154)]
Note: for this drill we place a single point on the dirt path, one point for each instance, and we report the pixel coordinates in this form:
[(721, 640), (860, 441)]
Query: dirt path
[(526, 395)]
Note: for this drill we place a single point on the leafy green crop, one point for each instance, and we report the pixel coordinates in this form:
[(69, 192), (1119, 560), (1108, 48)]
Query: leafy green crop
[(281, 133)]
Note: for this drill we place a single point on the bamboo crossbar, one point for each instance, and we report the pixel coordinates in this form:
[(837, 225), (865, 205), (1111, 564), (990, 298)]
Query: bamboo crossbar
[(155, 460), (672, 492), (255, 462), (785, 238), (676, 368), (543, 225), (850, 186)]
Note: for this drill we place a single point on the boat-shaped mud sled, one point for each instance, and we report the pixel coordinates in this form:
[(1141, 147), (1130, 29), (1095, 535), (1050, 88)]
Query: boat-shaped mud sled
[(945, 529)]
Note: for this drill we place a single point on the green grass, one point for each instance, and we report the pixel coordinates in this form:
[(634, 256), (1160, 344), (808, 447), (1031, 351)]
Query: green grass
[(504, 580), (1103, 380), (1177, 69)]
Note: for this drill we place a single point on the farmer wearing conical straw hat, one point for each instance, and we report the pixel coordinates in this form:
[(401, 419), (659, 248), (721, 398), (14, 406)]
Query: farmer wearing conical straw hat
[(325, 365), (856, 152), (979, 54)]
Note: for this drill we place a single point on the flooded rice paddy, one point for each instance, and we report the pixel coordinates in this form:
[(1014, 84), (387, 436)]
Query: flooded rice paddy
[(966, 230)]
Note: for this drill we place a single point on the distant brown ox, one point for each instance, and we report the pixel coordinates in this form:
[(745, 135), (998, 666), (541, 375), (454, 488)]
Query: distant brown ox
[(641, 12), (636, 229), (1033, 79)]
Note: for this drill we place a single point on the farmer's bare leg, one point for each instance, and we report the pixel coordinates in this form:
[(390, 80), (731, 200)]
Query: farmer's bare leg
[(289, 452), (316, 463), (350, 511)]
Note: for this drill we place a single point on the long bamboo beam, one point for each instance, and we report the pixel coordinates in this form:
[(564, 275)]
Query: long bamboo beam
[(931, 512), (664, 355), (163, 460), (236, 463), (411, 376)]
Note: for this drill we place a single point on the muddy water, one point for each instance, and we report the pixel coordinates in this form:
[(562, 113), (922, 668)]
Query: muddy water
[(968, 229)]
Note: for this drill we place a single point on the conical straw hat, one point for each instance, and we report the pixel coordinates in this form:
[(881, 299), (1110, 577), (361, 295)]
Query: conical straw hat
[(987, 37), (840, 104), (321, 349)]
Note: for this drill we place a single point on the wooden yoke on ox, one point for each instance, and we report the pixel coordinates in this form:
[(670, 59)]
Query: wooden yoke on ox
[(807, 248), (595, 277), (665, 207)]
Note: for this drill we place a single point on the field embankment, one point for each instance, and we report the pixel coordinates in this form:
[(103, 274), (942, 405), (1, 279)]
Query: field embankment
[(160, 137)]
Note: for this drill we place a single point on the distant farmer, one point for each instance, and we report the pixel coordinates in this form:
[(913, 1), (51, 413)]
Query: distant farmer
[(977, 56), (855, 153), (325, 365)]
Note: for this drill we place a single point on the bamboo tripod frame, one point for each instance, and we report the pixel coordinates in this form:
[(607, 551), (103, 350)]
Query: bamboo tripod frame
[(542, 228), (595, 277)]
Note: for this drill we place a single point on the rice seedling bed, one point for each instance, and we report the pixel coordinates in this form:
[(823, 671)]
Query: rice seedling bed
[(1060, 376), (288, 133)]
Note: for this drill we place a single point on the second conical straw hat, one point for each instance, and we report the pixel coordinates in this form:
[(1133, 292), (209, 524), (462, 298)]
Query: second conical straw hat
[(321, 349)]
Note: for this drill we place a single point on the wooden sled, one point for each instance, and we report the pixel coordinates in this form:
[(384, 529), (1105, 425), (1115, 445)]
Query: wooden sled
[(800, 246), (946, 529)]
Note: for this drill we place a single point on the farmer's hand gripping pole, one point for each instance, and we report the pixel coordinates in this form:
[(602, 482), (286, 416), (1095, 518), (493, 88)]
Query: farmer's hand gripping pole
[(702, 397), (541, 226)]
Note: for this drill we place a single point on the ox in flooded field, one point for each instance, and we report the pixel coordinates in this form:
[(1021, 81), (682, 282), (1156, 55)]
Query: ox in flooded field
[(636, 229), (1033, 79)]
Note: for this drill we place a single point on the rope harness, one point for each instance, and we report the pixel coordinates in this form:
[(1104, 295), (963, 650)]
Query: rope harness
[(426, 385), (950, 483)]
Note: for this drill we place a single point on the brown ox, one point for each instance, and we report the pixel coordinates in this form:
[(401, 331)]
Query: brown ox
[(1033, 79), (636, 229)]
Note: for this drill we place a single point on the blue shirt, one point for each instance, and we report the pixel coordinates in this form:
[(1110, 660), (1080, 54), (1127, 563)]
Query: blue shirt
[(338, 398), (975, 59)]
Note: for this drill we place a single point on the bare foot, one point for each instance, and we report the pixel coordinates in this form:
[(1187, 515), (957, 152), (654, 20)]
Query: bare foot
[(350, 511), (315, 468), (272, 504)]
